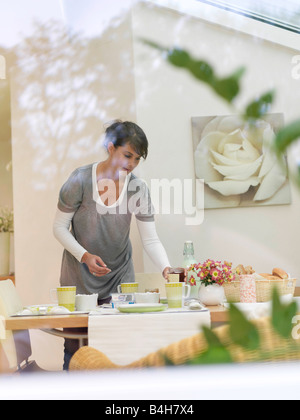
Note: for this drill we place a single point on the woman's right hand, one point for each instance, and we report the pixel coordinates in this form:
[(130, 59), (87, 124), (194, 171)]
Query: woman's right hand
[(95, 265)]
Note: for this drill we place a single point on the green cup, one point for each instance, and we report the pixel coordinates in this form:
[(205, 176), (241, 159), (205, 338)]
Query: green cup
[(65, 296), (176, 293)]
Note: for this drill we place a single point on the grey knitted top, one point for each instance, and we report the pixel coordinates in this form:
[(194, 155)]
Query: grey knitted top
[(101, 230)]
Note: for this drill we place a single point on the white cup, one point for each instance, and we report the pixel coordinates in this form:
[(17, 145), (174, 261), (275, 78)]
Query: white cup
[(86, 302)]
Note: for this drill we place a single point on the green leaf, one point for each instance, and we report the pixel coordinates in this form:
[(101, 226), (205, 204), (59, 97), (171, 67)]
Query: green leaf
[(260, 106), (287, 135), (216, 352), (242, 331), (239, 73), (282, 315), (153, 44), (179, 58), (212, 339), (213, 356), (201, 70), (229, 87)]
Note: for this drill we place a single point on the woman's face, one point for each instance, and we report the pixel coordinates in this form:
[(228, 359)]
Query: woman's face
[(124, 158)]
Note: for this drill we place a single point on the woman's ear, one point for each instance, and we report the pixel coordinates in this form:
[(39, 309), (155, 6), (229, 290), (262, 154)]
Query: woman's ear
[(110, 147)]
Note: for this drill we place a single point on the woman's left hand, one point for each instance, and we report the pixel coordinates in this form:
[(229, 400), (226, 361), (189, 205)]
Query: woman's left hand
[(166, 273), (168, 270)]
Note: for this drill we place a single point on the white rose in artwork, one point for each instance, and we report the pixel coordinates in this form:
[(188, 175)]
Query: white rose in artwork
[(232, 156)]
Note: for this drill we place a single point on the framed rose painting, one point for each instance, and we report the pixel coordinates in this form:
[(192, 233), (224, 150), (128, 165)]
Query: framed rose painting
[(235, 160)]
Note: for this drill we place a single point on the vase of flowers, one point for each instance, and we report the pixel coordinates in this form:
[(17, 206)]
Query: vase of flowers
[(213, 275), (6, 229)]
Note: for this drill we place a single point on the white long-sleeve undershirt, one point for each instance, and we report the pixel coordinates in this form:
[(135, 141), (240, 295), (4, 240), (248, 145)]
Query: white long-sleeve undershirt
[(147, 230)]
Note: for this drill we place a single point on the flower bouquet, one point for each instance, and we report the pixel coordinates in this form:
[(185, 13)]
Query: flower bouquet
[(211, 272)]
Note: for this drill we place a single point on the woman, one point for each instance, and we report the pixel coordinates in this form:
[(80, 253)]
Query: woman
[(98, 201)]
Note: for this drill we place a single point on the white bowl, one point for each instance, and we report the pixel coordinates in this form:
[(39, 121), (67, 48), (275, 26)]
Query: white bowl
[(147, 297)]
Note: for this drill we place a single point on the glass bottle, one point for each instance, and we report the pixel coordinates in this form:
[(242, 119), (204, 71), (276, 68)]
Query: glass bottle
[(188, 260), (188, 254)]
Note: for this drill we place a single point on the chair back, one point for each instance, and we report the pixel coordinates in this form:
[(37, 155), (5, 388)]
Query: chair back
[(16, 347), (10, 302)]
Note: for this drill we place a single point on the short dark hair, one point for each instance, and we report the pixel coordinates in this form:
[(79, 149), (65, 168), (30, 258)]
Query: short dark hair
[(121, 133)]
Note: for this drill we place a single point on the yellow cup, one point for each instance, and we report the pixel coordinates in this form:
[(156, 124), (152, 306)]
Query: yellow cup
[(128, 287), (176, 293), (65, 296)]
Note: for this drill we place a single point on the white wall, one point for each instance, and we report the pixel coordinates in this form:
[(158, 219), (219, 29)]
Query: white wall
[(167, 98)]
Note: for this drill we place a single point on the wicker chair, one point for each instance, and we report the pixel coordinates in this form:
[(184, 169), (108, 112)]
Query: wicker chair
[(273, 347)]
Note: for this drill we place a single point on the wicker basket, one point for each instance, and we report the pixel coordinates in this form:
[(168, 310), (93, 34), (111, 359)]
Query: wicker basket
[(232, 291), (264, 289)]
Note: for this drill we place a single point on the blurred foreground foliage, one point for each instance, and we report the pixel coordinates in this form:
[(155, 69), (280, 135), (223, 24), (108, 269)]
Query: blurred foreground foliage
[(245, 335)]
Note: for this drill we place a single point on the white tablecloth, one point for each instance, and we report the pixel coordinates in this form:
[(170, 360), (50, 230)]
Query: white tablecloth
[(125, 338)]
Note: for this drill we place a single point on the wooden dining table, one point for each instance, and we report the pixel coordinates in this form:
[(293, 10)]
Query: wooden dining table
[(219, 314), (67, 326)]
